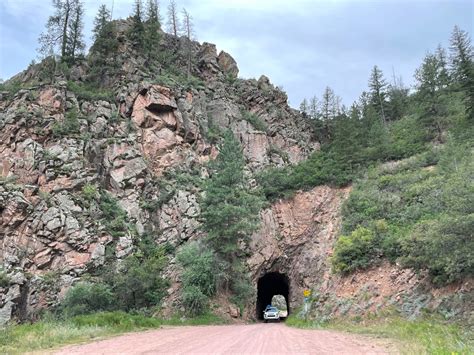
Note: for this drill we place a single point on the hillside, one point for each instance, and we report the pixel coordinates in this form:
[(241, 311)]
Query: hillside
[(150, 178)]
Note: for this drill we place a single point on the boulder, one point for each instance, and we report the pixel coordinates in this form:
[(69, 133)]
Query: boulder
[(228, 64)]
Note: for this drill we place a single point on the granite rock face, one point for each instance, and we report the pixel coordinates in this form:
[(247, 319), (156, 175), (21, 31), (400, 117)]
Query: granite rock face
[(53, 177)]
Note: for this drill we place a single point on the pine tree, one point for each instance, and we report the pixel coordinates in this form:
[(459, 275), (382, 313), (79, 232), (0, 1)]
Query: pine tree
[(102, 19), (152, 30), (397, 95), (377, 87), (230, 209), (313, 108), (173, 21), (432, 93), (102, 59), (75, 44), (462, 66), (63, 30), (304, 106), (137, 31)]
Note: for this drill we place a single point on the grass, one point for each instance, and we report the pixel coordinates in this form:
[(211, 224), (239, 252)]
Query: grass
[(430, 335), (52, 333)]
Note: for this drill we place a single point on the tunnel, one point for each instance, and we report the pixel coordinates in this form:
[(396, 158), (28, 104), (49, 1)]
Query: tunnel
[(269, 285)]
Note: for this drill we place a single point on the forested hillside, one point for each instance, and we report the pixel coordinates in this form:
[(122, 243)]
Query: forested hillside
[(409, 154)]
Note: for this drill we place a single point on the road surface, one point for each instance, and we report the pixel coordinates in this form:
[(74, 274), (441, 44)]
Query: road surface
[(259, 338)]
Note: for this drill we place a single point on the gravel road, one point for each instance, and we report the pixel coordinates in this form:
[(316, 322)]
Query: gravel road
[(272, 338)]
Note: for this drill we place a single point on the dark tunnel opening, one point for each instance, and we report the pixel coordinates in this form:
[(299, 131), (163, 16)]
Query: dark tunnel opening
[(269, 285)]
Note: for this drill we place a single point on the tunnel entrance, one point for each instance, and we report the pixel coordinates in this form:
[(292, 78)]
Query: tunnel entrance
[(269, 285)]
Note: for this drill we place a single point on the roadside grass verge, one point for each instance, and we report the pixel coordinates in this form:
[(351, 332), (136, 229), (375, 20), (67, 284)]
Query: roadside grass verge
[(52, 333), (430, 335)]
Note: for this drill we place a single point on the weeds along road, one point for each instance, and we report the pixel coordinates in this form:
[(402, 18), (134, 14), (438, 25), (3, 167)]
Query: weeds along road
[(271, 338)]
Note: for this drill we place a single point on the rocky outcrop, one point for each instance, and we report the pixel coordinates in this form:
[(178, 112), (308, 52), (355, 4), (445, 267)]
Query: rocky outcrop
[(228, 64), (62, 151)]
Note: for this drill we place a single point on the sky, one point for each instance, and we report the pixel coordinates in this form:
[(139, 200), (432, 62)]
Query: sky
[(301, 45)]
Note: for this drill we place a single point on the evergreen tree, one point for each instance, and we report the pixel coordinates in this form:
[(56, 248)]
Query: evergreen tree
[(304, 107), (101, 20), (444, 78), (173, 21), (137, 31), (313, 108), (397, 99), (378, 94), (152, 30), (462, 65), (230, 209), (63, 30), (102, 59), (75, 44), (329, 104), (432, 94)]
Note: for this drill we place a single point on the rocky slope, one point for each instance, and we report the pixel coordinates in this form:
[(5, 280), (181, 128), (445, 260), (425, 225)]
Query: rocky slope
[(50, 234)]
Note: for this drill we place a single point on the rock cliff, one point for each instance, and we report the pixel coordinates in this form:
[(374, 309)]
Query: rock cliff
[(56, 144)]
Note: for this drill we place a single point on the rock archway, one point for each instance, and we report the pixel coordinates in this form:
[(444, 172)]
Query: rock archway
[(269, 285)]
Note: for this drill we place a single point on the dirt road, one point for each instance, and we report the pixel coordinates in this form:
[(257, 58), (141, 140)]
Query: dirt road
[(233, 339)]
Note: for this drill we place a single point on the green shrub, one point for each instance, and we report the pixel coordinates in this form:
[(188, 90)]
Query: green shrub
[(113, 216), (200, 268), (139, 283), (355, 251), (175, 78), (69, 126), (445, 247), (89, 92), (85, 297), (407, 137), (254, 120), (4, 279), (11, 87), (194, 301), (89, 192)]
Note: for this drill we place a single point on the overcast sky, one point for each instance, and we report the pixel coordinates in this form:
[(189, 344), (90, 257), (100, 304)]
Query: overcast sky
[(302, 45)]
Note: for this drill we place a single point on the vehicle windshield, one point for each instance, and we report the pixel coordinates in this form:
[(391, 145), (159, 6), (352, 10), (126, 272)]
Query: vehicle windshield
[(271, 309)]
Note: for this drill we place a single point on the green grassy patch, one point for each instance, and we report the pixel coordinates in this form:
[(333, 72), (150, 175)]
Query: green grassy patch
[(423, 336), (53, 333)]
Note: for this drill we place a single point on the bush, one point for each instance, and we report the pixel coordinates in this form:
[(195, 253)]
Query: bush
[(11, 87), (84, 298), (355, 251), (200, 268), (445, 247), (69, 126), (4, 279), (194, 300), (113, 216), (89, 92), (200, 276), (89, 192), (254, 120), (139, 284)]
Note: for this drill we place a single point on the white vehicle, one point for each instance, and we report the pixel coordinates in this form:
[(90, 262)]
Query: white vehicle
[(271, 313)]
